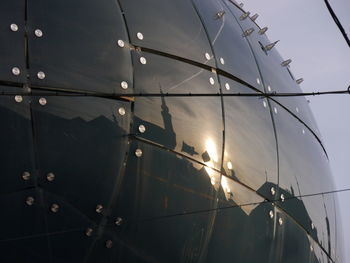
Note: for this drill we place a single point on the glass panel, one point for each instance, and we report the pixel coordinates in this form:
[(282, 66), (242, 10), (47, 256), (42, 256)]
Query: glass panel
[(88, 136), (276, 78), (169, 198), (12, 45), (16, 140), (79, 50), (250, 146), (304, 170), (168, 26), (232, 51), (243, 229), (189, 125)]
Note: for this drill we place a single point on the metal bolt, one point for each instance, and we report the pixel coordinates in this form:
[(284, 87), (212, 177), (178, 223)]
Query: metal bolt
[(311, 248), (14, 27), (220, 14), (124, 85), (18, 98), (138, 152), (273, 191), (143, 60), (298, 81), (89, 231), (16, 71), (99, 209), (26, 176), (254, 17), (118, 221), (121, 43), (275, 110), (38, 33), (297, 109), (109, 244), (30, 200), (244, 16), (229, 165), (280, 221), (248, 32), (42, 101), (207, 56), (271, 46), (212, 81), (227, 86), (312, 225), (269, 88), (258, 81), (50, 177), (142, 128), (139, 35), (41, 75), (222, 61), (271, 214), (286, 62), (54, 208), (121, 111), (282, 197), (264, 103), (303, 131), (263, 30)]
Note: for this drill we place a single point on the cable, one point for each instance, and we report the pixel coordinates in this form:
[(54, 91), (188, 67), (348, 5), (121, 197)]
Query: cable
[(242, 205), (337, 22)]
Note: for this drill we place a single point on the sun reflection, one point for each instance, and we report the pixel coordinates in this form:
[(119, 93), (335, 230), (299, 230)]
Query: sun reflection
[(211, 149)]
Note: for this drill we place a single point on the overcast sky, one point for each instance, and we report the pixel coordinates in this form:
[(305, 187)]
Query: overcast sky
[(321, 56)]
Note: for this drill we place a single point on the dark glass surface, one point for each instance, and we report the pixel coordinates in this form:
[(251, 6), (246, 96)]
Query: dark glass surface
[(168, 26), (164, 75), (275, 77), (12, 47), (250, 145), (16, 141), (177, 122), (79, 50), (304, 170), (88, 136), (228, 43), (161, 202)]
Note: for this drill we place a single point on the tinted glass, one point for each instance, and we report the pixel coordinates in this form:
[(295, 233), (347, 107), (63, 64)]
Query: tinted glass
[(168, 26), (232, 52), (250, 147), (12, 45), (79, 50)]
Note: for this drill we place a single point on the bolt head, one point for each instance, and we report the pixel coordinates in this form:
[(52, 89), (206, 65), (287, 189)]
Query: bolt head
[(138, 153), (99, 209), (212, 81), (89, 231), (275, 110), (18, 98), (50, 177), (124, 85), (143, 60), (109, 244), (139, 35), (42, 101), (222, 61), (273, 191), (41, 75), (142, 128), (121, 43), (227, 86), (264, 103), (269, 89), (271, 214), (121, 111), (54, 208), (14, 27), (282, 197), (258, 81), (16, 71), (280, 221), (38, 33), (207, 56), (30, 200), (26, 176), (229, 165)]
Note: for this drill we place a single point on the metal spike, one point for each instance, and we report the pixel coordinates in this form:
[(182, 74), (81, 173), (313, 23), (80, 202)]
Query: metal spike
[(299, 80), (248, 32), (220, 14), (263, 30), (244, 16), (286, 62), (270, 46), (254, 17)]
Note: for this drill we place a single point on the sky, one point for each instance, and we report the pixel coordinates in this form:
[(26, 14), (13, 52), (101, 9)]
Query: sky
[(320, 55)]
